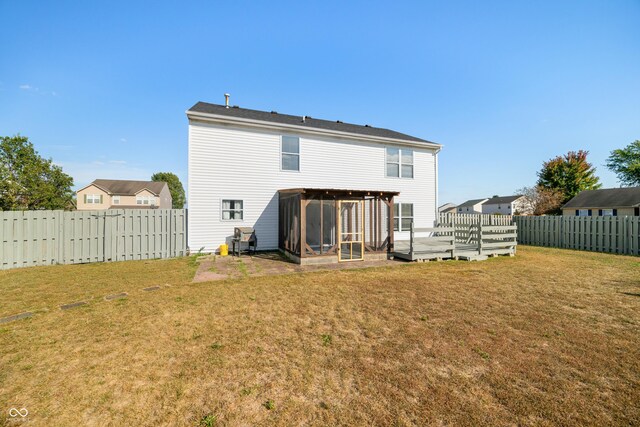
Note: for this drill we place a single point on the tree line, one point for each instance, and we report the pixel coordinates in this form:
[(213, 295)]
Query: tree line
[(30, 182), (563, 177)]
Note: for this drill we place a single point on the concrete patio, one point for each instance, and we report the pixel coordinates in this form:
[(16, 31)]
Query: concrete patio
[(216, 267)]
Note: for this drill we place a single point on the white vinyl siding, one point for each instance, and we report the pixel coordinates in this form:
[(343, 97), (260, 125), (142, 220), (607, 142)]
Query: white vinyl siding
[(290, 153), (219, 170)]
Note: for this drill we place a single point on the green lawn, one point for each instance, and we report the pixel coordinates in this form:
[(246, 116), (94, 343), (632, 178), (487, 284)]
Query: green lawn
[(548, 337)]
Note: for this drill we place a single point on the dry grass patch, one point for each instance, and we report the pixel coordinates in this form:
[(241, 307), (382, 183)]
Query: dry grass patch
[(549, 337)]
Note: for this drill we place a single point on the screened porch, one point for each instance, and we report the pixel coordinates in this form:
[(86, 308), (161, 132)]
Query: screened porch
[(330, 225)]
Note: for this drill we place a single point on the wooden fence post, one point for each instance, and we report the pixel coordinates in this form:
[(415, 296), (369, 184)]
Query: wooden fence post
[(480, 237)]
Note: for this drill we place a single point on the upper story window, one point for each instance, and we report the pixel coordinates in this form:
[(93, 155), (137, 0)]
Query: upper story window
[(93, 198), (115, 200), (145, 200), (399, 162), (232, 210), (290, 153), (402, 216)]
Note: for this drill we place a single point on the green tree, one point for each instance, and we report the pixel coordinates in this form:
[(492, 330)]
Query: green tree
[(625, 162), (28, 181), (569, 174), (175, 187)]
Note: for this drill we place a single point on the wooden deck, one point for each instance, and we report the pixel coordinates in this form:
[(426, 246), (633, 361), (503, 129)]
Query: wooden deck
[(469, 242)]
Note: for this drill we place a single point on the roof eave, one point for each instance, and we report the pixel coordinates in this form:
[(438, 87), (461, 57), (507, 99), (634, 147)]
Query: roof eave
[(268, 125), (95, 185), (145, 188)]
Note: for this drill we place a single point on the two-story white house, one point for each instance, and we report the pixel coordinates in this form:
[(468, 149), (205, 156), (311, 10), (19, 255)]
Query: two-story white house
[(506, 205), (473, 206), (318, 190)]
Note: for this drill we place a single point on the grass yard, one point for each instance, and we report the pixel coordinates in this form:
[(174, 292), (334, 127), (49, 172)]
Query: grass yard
[(550, 337)]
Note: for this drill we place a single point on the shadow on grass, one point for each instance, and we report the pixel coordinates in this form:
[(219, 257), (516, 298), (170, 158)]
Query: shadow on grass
[(632, 294)]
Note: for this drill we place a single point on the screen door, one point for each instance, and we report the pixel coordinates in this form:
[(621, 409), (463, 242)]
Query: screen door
[(351, 230)]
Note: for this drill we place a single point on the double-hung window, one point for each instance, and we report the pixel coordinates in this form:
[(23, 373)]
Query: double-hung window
[(93, 199), (115, 200), (399, 162), (232, 210), (146, 200), (290, 153), (402, 216)]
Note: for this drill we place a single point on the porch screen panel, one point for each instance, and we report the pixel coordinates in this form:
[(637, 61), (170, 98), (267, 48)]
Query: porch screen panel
[(328, 223), (314, 225), (289, 223)]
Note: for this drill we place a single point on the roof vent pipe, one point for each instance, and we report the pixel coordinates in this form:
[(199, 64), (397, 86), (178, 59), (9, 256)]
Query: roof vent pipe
[(304, 119), (226, 100)]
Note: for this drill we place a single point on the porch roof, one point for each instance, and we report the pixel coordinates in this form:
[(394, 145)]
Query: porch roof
[(338, 192)]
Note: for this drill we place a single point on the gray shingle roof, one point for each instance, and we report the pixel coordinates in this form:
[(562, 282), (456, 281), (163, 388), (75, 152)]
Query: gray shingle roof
[(309, 122), (471, 203), (502, 200), (446, 206), (606, 197), (128, 188)]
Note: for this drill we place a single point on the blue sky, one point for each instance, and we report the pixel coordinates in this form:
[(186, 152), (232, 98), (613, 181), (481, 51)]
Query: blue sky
[(102, 87)]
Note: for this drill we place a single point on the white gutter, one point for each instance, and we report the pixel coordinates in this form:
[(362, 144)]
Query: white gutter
[(207, 117)]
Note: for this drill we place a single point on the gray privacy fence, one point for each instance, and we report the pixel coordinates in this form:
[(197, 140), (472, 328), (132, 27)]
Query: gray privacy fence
[(29, 238), (614, 234)]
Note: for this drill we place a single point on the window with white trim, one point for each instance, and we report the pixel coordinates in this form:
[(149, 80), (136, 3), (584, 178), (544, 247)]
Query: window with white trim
[(402, 216), (607, 212), (399, 162), (115, 200), (93, 199), (583, 212), (290, 153), (145, 200), (232, 210)]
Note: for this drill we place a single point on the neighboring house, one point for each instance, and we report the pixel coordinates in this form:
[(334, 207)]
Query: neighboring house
[(473, 206), (605, 202), (122, 194), (319, 190), (506, 205), (447, 208)]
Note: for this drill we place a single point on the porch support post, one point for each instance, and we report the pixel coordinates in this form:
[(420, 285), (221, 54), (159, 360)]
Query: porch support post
[(321, 225), (303, 226), (389, 203)]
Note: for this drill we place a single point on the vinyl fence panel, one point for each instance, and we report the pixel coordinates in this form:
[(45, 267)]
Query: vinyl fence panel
[(29, 238), (613, 234)]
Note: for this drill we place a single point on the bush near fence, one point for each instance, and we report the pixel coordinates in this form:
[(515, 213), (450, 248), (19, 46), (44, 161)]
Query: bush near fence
[(30, 238)]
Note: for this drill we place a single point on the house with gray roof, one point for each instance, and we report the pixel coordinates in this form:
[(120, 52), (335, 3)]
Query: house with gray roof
[(605, 202), (447, 208), (473, 206), (506, 205), (318, 190), (123, 194)]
